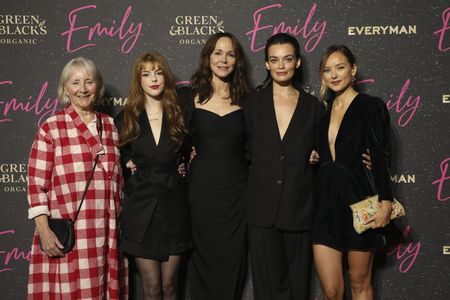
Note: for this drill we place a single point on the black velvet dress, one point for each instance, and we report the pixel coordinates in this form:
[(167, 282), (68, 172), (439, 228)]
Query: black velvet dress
[(345, 181), (216, 182), (155, 217)]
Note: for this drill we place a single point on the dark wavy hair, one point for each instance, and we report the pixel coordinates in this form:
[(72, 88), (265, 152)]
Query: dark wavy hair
[(201, 80), (136, 101), (325, 93), (280, 39)]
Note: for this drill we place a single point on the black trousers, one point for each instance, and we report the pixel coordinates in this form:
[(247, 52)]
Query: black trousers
[(281, 263)]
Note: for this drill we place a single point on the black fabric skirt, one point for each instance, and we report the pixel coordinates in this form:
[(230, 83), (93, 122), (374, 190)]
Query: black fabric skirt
[(157, 244), (336, 189)]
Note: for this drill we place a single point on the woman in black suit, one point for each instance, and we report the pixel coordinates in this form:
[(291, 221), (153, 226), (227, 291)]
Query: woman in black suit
[(155, 219), (282, 120), (352, 123)]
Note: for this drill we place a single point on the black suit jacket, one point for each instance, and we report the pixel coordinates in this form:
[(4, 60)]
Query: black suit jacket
[(279, 190), (156, 185)]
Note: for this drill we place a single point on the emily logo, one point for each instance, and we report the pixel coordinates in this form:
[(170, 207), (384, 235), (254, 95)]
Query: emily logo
[(40, 105), (442, 44), (9, 258), (406, 252), (307, 28), (404, 107), (82, 32), (443, 180)]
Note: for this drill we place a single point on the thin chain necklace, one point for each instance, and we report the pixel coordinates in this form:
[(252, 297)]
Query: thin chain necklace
[(154, 116)]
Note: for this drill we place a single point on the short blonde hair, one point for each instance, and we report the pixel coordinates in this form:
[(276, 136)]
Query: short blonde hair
[(91, 69)]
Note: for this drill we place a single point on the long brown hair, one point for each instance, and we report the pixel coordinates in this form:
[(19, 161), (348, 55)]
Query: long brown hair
[(201, 80), (136, 101)]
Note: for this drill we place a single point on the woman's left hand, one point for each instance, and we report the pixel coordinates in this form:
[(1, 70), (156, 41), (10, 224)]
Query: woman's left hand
[(367, 160), (182, 169), (383, 215), (193, 154)]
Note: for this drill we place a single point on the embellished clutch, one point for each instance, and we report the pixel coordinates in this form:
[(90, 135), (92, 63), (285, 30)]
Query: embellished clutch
[(366, 208)]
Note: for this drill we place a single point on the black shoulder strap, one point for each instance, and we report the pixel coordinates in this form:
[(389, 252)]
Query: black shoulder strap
[(100, 133)]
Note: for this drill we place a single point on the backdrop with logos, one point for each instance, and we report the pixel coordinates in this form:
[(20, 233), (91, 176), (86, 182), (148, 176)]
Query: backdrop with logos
[(403, 54)]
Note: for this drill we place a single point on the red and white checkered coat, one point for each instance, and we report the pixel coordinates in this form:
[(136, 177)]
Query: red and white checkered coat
[(61, 159)]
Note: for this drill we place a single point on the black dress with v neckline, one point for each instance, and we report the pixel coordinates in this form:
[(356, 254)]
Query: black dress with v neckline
[(155, 217), (345, 181)]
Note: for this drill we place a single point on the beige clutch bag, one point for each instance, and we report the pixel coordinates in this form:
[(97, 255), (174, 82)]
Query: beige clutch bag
[(366, 208)]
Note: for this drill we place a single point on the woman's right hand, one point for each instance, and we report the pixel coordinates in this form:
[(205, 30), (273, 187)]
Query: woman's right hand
[(131, 165), (182, 168), (50, 244), (314, 157), (382, 216)]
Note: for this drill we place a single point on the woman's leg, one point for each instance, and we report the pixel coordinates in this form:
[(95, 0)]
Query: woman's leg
[(329, 267), (270, 266), (169, 271), (150, 271), (360, 272)]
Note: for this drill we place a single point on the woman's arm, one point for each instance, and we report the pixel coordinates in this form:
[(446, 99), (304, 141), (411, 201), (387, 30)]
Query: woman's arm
[(40, 172), (40, 168), (378, 141), (126, 151), (379, 144)]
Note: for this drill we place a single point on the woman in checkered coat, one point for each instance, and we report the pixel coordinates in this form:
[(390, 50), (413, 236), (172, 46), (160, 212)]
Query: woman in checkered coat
[(60, 162)]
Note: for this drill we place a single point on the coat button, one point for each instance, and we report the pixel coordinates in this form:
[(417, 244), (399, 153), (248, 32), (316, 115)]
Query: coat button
[(282, 157), (279, 181)]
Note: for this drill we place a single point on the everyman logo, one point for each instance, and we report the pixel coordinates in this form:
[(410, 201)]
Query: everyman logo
[(382, 30)]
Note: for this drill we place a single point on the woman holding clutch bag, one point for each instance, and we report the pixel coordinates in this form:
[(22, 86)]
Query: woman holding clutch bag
[(352, 123), (60, 163)]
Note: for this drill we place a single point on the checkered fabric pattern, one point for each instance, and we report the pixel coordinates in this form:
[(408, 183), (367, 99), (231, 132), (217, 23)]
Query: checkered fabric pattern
[(60, 162)]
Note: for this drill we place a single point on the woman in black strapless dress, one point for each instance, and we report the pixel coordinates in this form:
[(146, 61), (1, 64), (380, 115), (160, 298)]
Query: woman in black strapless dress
[(217, 175)]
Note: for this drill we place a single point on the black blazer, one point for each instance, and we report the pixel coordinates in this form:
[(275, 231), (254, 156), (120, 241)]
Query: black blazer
[(365, 125), (156, 185), (279, 190)]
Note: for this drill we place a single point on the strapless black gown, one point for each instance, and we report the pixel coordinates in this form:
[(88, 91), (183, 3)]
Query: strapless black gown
[(216, 184)]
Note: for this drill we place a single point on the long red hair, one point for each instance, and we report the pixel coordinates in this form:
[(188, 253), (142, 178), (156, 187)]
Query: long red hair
[(136, 101)]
